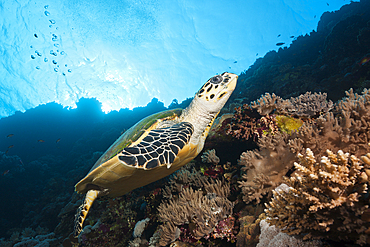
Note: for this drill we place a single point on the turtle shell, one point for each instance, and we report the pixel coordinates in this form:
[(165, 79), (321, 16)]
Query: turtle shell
[(135, 133), (150, 150)]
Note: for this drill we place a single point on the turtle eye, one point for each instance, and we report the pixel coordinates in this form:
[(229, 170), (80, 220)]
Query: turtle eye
[(216, 79)]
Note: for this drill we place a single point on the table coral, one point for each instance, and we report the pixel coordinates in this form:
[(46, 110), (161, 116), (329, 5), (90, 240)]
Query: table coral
[(325, 200)]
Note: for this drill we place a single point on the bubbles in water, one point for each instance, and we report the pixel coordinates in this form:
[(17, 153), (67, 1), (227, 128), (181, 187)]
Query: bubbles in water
[(50, 26), (37, 67), (62, 53), (52, 21), (45, 60), (33, 57), (54, 38), (53, 53), (56, 45), (56, 69), (46, 6), (54, 62), (65, 65), (47, 13), (31, 46), (35, 35), (69, 70), (38, 53), (63, 74)]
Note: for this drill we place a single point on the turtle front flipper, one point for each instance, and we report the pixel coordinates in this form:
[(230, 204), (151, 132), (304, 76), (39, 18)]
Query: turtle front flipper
[(82, 211)]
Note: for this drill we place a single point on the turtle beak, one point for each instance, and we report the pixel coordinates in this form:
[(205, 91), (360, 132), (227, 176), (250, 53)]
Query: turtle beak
[(231, 81)]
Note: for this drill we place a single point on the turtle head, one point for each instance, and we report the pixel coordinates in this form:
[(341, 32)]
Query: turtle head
[(216, 91)]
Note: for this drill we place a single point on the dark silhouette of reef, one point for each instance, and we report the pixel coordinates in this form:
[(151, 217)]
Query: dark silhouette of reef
[(48, 149)]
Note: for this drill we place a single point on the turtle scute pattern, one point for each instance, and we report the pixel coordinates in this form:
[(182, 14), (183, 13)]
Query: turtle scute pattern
[(159, 147)]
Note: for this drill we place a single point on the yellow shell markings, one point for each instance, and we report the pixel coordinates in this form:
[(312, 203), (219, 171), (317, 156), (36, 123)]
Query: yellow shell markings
[(134, 133), (156, 146)]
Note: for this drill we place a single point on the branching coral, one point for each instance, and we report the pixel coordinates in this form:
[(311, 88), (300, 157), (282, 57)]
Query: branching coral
[(267, 103), (346, 130), (305, 105), (193, 213), (247, 122), (325, 199), (266, 125), (243, 122), (210, 156)]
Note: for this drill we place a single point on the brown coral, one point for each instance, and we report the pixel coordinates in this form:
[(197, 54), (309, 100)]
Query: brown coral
[(267, 103), (346, 130), (210, 156), (265, 168), (305, 105), (325, 199), (243, 122), (200, 213), (186, 176)]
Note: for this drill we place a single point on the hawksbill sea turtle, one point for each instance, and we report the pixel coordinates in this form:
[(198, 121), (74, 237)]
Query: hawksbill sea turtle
[(155, 147)]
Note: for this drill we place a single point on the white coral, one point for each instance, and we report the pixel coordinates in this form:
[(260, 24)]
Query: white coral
[(139, 227), (272, 237)]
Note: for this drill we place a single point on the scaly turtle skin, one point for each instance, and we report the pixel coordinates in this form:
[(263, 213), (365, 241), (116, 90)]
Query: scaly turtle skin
[(155, 147)]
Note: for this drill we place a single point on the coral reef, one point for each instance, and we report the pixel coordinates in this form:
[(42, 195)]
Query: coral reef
[(210, 156), (184, 177), (243, 123), (271, 236), (30, 237), (267, 103), (265, 168), (305, 105), (345, 129), (326, 199), (276, 114), (193, 215), (288, 124), (249, 226), (139, 227)]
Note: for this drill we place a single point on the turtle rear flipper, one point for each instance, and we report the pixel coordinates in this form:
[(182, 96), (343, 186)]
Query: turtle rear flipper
[(82, 211)]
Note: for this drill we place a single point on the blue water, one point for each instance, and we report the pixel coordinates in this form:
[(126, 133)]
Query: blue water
[(124, 53)]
